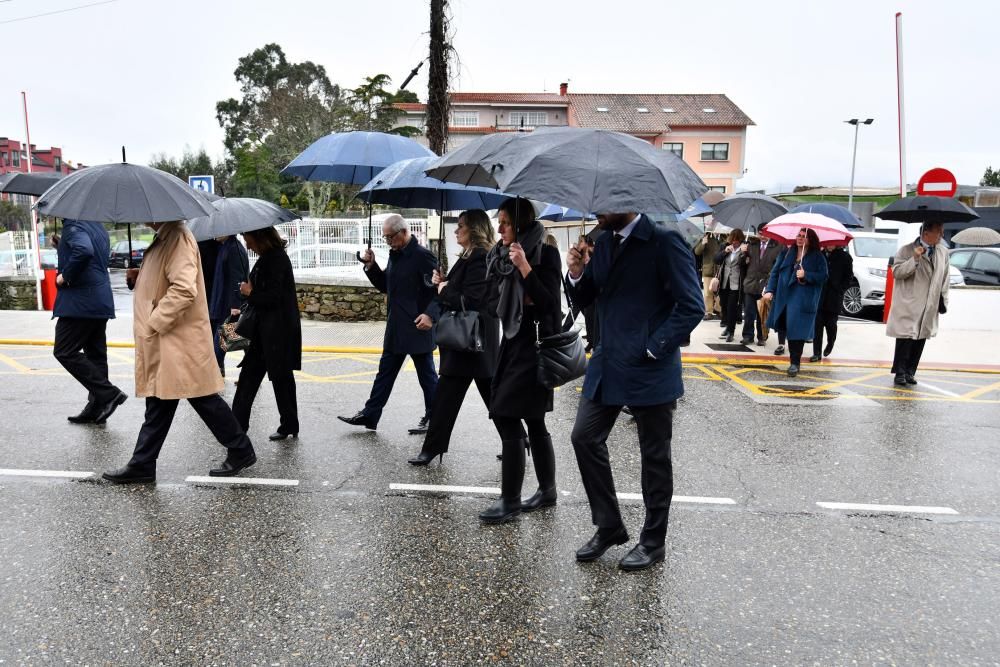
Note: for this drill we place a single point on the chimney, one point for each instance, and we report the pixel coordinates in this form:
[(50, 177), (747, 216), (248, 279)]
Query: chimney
[(563, 89)]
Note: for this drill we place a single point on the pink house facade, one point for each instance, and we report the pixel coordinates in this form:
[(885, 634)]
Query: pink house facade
[(708, 131)]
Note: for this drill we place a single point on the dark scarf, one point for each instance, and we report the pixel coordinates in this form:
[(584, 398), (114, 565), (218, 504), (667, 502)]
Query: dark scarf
[(218, 305), (510, 307)]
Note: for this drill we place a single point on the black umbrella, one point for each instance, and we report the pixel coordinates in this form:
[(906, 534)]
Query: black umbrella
[(28, 184), (927, 209), (747, 211)]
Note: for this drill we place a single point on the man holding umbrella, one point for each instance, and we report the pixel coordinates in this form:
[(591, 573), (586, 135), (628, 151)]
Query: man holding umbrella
[(649, 299)]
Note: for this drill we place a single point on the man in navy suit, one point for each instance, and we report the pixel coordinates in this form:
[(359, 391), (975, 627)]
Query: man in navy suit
[(648, 296), (406, 281), (84, 305)]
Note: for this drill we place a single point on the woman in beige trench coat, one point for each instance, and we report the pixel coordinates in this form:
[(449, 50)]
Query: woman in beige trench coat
[(920, 294), (174, 358)]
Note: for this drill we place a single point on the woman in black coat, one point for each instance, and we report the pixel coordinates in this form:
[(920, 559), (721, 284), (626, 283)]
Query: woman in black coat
[(276, 340), (526, 279), (465, 287)]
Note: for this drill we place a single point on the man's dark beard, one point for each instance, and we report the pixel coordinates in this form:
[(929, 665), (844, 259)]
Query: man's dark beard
[(616, 222)]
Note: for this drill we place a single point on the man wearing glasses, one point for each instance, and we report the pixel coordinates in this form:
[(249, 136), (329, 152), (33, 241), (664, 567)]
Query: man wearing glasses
[(407, 282)]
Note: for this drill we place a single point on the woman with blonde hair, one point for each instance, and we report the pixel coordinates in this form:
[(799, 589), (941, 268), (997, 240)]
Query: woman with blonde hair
[(465, 287)]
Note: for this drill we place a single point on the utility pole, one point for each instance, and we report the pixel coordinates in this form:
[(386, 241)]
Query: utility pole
[(437, 80)]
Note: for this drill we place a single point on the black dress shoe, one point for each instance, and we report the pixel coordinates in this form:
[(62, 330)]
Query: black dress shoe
[(601, 542), (729, 338), (815, 358), (745, 340), (501, 511), (760, 342), (232, 467), (86, 415), (641, 557), (899, 380), (424, 458), (130, 475), (109, 408), (793, 370), (278, 435), (827, 350), (360, 419), (421, 426), (910, 379), (540, 499), (780, 350)]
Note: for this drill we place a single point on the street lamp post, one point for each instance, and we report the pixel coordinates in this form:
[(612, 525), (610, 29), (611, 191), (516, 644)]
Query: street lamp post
[(854, 156)]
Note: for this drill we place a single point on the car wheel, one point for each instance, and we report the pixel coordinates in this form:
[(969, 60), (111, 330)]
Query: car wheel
[(851, 302)]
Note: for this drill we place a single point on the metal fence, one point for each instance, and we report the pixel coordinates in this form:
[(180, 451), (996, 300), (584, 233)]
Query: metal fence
[(326, 247), (15, 255)]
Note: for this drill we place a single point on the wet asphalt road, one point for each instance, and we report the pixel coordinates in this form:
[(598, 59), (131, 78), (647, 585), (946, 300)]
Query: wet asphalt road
[(342, 569)]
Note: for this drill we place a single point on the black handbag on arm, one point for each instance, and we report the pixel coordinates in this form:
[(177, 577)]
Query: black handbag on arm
[(459, 330), (561, 357)]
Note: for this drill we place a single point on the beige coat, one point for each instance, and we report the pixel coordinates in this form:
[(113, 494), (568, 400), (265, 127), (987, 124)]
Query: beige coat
[(173, 338), (918, 288)]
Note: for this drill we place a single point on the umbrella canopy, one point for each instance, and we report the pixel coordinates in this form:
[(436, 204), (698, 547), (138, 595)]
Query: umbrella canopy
[(406, 185), (235, 215), (748, 211), (691, 232), (17, 183), (555, 213), (586, 169), (123, 193), (785, 228), (927, 209), (698, 209), (839, 213), (977, 236), (465, 165), (712, 197), (352, 157)]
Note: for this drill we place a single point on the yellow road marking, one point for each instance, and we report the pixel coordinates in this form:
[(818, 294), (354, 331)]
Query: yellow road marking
[(982, 390), (13, 363), (842, 383)]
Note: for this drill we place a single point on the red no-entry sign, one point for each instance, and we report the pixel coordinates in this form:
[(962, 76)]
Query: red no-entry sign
[(938, 182)]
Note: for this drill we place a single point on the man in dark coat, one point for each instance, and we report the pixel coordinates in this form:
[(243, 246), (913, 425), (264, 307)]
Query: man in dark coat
[(649, 300), (84, 305), (760, 256), (407, 283), (841, 273)]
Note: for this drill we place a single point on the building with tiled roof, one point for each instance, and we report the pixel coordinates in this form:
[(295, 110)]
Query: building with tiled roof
[(708, 131)]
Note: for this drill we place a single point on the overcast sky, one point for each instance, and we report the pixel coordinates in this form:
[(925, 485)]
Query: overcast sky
[(147, 73)]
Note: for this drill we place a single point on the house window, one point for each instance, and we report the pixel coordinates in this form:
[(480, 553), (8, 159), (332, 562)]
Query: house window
[(15, 158), (3, 157), (528, 118), (465, 119), (415, 121), (57, 163), (716, 152), (717, 188), (675, 148)]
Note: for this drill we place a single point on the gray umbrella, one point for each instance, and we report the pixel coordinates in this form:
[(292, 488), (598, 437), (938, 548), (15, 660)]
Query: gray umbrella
[(28, 184), (123, 193), (235, 215), (977, 236), (584, 169), (747, 211)]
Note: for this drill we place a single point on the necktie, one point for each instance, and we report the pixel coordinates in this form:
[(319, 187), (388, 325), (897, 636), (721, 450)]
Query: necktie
[(616, 246), (763, 247)]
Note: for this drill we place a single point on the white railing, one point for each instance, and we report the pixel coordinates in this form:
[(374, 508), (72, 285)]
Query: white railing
[(326, 247), (15, 255)]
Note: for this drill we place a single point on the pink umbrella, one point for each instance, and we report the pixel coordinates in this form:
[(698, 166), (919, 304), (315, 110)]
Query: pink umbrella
[(786, 227)]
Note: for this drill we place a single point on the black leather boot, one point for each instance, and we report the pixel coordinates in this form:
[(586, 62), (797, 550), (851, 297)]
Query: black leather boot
[(512, 477), (544, 457)]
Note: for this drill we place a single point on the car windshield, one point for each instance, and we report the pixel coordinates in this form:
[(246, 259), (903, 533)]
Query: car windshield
[(869, 247)]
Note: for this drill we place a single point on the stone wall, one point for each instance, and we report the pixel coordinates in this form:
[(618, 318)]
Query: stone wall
[(17, 294), (340, 303)]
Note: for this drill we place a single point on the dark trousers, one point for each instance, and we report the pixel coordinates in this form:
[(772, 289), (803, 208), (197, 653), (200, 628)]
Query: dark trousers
[(825, 320), (448, 399), (220, 355), (511, 428), (907, 357), (795, 348), (252, 374), (388, 368), (590, 437), (751, 322), (81, 347), (730, 308), (160, 415)]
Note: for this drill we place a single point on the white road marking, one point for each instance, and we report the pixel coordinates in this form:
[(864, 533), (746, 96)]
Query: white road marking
[(440, 488), (70, 474), (260, 481), (904, 509), (707, 500), (938, 389)]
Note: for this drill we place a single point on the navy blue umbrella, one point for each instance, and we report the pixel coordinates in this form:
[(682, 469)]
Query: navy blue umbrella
[(839, 213)]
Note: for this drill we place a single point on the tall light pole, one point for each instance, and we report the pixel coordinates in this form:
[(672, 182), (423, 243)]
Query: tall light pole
[(854, 156)]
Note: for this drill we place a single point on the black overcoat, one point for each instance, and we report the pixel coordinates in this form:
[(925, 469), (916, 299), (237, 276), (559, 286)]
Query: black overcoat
[(841, 273), (516, 391), (409, 295), (277, 340), (467, 282)]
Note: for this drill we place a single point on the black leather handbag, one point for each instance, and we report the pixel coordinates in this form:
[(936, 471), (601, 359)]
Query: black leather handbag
[(561, 358), (459, 330), (246, 326)]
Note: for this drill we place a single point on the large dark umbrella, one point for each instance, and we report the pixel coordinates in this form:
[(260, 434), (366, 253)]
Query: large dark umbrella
[(586, 169), (747, 211), (123, 193), (235, 215), (834, 211), (927, 209), (353, 158), (28, 184)]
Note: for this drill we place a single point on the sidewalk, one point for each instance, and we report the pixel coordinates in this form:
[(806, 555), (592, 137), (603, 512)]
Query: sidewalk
[(859, 343)]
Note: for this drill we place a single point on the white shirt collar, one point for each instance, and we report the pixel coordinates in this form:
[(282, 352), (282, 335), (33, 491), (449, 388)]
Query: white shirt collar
[(627, 229)]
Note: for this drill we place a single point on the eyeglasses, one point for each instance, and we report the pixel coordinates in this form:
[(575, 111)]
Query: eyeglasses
[(389, 237)]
